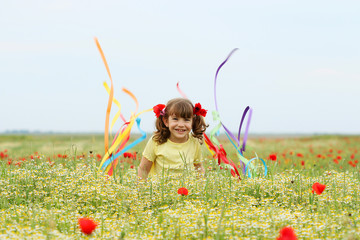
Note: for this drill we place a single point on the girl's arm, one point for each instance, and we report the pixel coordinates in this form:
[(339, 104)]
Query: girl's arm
[(144, 168), (199, 167)]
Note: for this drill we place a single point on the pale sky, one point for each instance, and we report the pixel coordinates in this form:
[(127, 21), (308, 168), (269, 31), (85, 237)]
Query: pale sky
[(297, 65)]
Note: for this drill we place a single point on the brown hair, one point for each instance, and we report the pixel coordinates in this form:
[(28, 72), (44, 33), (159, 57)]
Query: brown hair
[(181, 107)]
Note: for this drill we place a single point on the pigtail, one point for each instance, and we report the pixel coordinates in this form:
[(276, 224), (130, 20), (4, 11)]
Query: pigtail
[(198, 128), (162, 132)]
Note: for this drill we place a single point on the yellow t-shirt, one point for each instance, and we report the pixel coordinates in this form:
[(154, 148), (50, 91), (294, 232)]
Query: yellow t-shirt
[(173, 157)]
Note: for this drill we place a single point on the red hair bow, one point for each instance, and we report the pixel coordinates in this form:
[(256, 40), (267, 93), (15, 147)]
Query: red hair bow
[(159, 110), (199, 111)]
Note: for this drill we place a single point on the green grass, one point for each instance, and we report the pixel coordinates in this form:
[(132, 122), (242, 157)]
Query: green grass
[(43, 193)]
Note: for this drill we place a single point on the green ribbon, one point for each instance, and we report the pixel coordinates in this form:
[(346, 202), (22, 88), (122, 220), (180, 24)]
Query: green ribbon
[(216, 118)]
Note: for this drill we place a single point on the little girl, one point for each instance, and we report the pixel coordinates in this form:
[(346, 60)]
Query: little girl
[(172, 148)]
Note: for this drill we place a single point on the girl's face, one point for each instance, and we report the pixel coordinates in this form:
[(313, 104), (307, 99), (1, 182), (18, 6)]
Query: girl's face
[(179, 128)]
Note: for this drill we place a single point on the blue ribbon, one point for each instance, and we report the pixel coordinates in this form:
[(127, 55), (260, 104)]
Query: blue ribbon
[(247, 165)]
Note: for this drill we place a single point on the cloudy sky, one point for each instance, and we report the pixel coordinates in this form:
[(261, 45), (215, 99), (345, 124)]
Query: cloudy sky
[(297, 63)]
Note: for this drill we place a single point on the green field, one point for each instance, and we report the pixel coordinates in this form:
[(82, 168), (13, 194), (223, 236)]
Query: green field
[(49, 181)]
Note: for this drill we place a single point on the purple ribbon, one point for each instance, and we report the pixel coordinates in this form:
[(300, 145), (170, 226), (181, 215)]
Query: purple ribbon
[(216, 75), (241, 122), (237, 140), (246, 131), (217, 72)]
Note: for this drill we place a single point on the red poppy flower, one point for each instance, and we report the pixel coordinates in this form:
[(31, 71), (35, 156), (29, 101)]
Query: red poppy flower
[(352, 164), (336, 161), (318, 188), (352, 156), (339, 157), (2, 155), (272, 157), (128, 155), (87, 225), (287, 233), (183, 191), (197, 108), (203, 112), (158, 109), (302, 163), (299, 155), (199, 111)]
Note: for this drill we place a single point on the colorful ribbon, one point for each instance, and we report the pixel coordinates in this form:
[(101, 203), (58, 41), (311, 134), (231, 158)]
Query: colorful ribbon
[(113, 165), (220, 153), (231, 137), (246, 130), (247, 165), (181, 92), (216, 128), (237, 140), (137, 141), (111, 95), (133, 97), (117, 115), (216, 105), (122, 138)]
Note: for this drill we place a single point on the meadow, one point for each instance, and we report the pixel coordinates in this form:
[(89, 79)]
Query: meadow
[(48, 182)]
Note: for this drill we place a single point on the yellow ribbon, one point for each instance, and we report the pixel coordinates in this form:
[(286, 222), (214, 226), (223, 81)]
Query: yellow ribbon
[(115, 162), (207, 146)]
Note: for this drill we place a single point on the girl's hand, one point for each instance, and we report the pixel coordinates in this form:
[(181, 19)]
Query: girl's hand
[(144, 168)]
